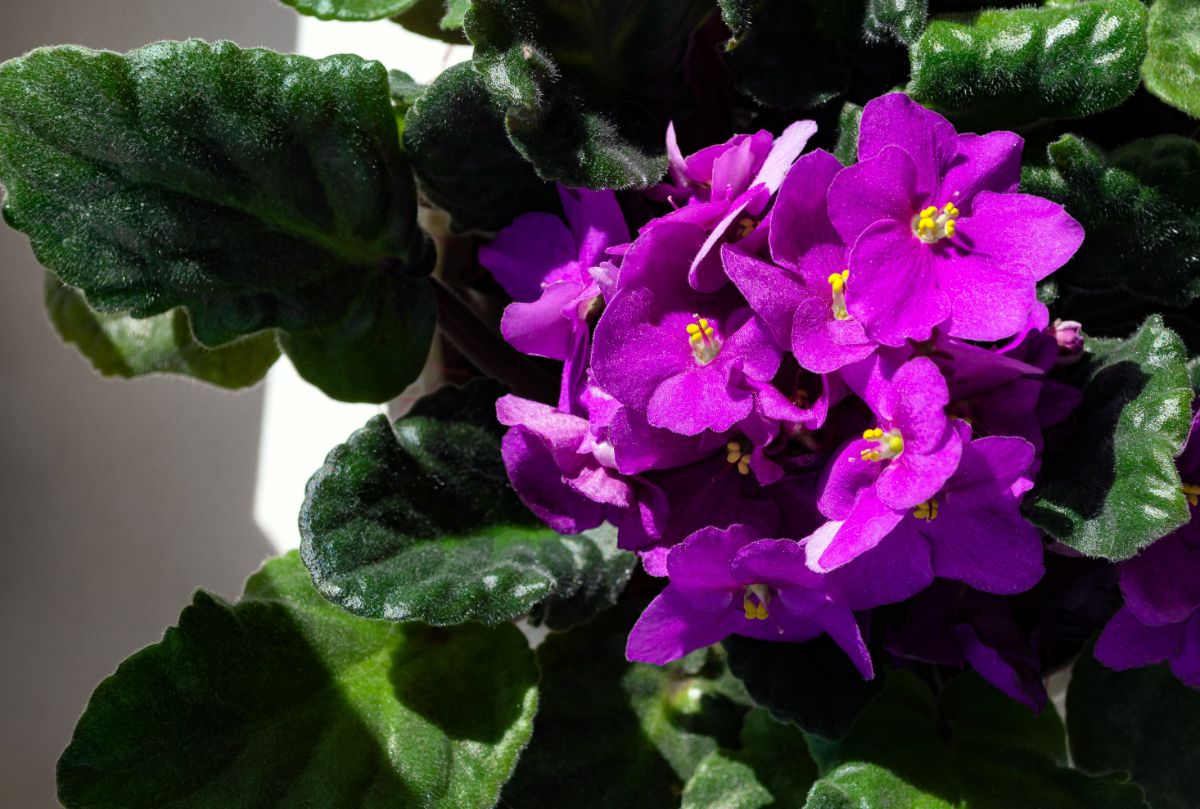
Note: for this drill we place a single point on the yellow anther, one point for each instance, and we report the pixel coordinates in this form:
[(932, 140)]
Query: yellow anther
[(950, 209), (838, 282), (746, 226), (887, 445), (932, 225), (703, 339), (1193, 493), (926, 224), (927, 510), (929, 212), (949, 228), (736, 454), (755, 600)]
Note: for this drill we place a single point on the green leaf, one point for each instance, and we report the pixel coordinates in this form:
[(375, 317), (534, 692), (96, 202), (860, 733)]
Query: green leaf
[(901, 20), (971, 748), (1003, 68), (1140, 207), (436, 19), (846, 149), (417, 521), (119, 345), (610, 733), (1132, 422), (867, 786), (771, 51), (285, 700), (1143, 722), (404, 92), (463, 158), (772, 768), (351, 10), (587, 88), (1172, 67), (256, 190), (812, 684)]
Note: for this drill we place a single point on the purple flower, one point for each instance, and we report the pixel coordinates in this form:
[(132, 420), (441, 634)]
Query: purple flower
[(972, 525), (544, 266), (731, 582), (951, 625), (728, 189), (1128, 643), (938, 234), (909, 456), (690, 361)]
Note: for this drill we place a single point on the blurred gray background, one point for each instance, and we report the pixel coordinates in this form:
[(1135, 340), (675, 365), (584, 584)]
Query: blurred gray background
[(117, 498)]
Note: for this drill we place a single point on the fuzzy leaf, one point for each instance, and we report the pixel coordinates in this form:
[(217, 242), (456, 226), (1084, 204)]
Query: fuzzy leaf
[(868, 786), (119, 345), (256, 190), (846, 149), (1172, 67), (1140, 206), (284, 700), (901, 20), (587, 88), (1132, 422), (1003, 68), (771, 768), (771, 52), (812, 684), (611, 733), (1142, 722), (463, 158), (970, 748), (436, 19), (417, 521), (351, 10)]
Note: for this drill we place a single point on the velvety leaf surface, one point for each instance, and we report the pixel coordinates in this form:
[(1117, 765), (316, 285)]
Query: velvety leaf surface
[(971, 748), (254, 189), (404, 92), (463, 158), (610, 733), (771, 52), (587, 88), (1140, 206), (285, 700), (867, 786), (417, 521), (437, 19), (812, 684), (351, 10), (1172, 67), (1112, 488), (1142, 722), (772, 768), (119, 345), (1001, 68), (846, 149), (902, 20)]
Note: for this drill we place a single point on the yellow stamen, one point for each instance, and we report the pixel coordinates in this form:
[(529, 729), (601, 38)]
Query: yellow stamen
[(932, 225), (927, 511), (736, 454), (887, 445), (755, 600), (1193, 493), (838, 282), (746, 226), (703, 340)]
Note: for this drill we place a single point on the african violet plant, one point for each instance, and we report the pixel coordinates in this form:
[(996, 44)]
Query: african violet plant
[(831, 371)]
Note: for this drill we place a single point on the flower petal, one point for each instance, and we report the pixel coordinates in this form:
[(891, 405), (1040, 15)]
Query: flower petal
[(897, 120), (523, 255), (880, 188), (893, 290), (677, 623)]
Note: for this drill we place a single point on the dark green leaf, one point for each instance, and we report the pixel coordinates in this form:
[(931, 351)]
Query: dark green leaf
[(812, 684), (772, 768), (404, 92), (798, 54), (417, 521), (256, 190), (464, 160), (1172, 67), (868, 786), (351, 10), (901, 20), (285, 700), (436, 19), (1131, 424), (587, 88), (119, 345), (611, 733), (1140, 207), (1003, 68), (846, 149), (972, 748), (1143, 722)]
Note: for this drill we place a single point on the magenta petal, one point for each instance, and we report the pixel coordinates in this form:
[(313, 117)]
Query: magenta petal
[(992, 666), (841, 625), (915, 477), (1127, 643), (1161, 585), (539, 328), (705, 272), (993, 461), (822, 343), (679, 622), (1019, 232), (800, 218), (881, 188), (527, 252), (990, 162), (1185, 665), (629, 355), (869, 522), (778, 562), (596, 222), (772, 292), (731, 171), (920, 396), (893, 289), (894, 570), (897, 120), (703, 560), (539, 483), (783, 153), (844, 478), (984, 542), (654, 560), (697, 400), (989, 300)]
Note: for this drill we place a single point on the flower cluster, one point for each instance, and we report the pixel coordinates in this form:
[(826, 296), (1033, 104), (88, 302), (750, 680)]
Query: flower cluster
[(806, 391)]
